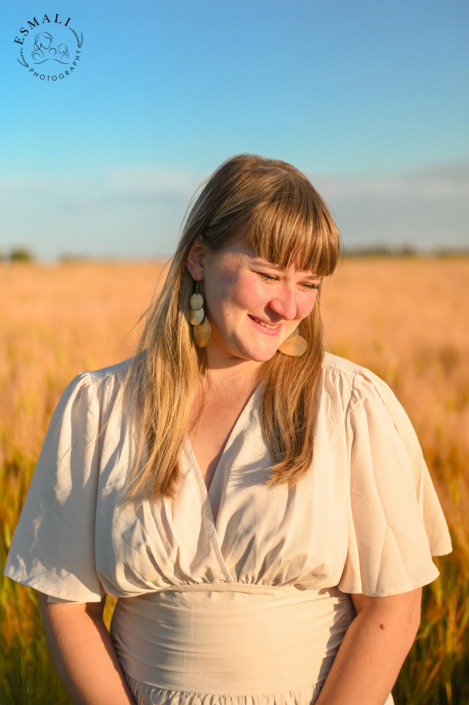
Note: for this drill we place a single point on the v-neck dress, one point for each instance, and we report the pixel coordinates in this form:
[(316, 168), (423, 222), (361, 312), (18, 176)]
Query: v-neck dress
[(250, 608)]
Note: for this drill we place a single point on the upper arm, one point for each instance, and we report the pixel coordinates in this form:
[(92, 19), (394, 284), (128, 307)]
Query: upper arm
[(405, 606), (58, 611)]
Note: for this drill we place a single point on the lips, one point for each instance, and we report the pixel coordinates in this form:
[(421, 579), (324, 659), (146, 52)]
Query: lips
[(266, 328), (262, 323)]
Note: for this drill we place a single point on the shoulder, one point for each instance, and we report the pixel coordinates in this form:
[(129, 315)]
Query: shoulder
[(340, 365), (117, 373), (368, 401), (341, 374), (108, 384), (92, 390), (358, 376), (355, 383)]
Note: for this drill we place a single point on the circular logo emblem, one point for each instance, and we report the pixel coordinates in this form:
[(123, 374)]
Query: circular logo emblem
[(50, 49)]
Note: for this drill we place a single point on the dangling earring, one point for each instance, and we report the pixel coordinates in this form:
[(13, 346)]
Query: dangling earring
[(201, 330), (294, 346)]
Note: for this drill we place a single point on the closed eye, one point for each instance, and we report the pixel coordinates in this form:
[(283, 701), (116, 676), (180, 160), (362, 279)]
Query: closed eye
[(270, 277)]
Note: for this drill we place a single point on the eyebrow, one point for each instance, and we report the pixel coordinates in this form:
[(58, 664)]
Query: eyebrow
[(272, 265)]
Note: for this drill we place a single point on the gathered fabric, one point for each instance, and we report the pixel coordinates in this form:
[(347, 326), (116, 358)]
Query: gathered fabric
[(148, 695)]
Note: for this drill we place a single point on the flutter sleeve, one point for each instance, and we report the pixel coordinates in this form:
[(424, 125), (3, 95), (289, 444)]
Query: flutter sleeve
[(395, 520), (53, 545)]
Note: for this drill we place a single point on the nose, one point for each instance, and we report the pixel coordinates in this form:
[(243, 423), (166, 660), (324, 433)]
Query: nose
[(284, 304)]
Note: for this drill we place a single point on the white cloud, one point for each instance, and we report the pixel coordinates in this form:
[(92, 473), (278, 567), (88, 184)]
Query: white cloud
[(444, 183), (123, 212), (427, 208), (137, 211)]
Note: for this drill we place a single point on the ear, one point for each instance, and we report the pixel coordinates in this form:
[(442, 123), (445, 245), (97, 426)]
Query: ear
[(195, 259)]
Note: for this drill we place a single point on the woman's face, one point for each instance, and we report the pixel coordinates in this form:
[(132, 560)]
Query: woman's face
[(252, 304)]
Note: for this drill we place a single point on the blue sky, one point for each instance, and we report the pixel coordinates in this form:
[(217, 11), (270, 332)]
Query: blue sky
[(370, 99)]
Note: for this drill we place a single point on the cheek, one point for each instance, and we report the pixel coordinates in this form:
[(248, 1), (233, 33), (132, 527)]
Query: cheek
[(219, 282), (306, 305), (249, 293), (236, 290)]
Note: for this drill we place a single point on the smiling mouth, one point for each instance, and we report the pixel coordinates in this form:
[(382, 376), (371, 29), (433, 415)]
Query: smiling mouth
[(265, 325)]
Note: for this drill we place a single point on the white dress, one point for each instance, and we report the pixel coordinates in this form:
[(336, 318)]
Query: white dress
[(250, 607)]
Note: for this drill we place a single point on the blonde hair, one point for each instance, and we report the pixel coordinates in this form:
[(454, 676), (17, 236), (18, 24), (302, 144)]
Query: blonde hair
[(285, 221)]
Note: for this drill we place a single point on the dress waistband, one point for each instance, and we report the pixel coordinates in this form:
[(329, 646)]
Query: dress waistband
[(231, 643)]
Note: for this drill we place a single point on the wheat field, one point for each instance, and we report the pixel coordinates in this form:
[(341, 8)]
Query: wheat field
[(401, 317)]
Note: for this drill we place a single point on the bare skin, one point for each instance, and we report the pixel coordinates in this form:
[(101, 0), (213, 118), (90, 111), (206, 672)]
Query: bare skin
[(237, 287), (373, 650), (83, 654), (240, 292)]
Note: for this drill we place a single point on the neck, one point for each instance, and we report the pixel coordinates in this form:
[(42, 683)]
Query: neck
[(224, 370)]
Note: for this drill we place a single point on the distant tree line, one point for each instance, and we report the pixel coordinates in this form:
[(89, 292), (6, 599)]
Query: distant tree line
[(24, 254), (403, 251), (17, 254)]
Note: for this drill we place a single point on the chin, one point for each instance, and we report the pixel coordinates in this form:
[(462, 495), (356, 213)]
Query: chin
[(260, 355)]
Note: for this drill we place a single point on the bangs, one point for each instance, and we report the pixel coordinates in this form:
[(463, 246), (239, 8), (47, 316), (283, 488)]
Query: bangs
[(295, 226)]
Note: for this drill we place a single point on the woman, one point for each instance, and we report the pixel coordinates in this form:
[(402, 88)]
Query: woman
[(262, 510)]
